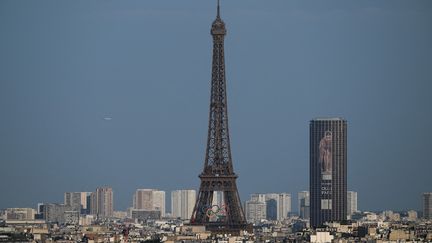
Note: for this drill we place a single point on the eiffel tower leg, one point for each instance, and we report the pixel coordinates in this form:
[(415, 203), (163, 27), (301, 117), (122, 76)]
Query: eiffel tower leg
[(235, 215), (205, 198)]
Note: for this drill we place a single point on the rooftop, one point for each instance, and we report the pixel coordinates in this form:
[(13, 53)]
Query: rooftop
[(328, 119)]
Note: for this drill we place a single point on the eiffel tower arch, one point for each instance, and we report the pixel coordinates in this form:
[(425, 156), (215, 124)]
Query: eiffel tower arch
[(218, 173)]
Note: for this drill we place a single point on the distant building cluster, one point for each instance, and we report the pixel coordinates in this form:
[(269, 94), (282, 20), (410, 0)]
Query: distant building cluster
[(268, 206), (270, 213), (79, 207)]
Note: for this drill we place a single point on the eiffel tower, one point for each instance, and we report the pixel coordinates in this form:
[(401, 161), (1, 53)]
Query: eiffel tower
[(218, 173)]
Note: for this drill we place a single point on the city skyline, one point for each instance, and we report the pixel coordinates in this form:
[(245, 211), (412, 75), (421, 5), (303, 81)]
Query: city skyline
[(86, 103)]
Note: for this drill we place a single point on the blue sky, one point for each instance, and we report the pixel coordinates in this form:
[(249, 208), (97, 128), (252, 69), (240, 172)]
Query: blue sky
[(67, 65)]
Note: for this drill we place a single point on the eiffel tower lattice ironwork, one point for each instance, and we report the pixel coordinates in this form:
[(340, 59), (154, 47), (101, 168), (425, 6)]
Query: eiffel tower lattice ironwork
[(218, 173)]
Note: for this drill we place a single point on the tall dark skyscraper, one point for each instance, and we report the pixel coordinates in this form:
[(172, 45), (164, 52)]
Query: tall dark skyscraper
[(328, 170), (218, 173)]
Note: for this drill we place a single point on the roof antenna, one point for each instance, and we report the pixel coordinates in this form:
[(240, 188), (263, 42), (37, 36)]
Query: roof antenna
[(218, 9)]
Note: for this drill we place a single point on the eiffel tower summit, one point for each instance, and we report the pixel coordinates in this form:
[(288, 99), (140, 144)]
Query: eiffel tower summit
[(218, 178)]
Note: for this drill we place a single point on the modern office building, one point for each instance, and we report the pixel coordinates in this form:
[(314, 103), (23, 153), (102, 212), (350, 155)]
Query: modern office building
[(182, 203), (304, 204), (427, 205), (351, 203), (328, 170), (104, 202), (150, 200)]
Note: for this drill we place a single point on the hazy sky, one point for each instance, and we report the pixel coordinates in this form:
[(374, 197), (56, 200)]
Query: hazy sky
[(116, 93)]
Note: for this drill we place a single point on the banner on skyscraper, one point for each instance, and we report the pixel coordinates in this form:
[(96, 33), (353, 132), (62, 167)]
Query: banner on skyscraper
[(326, 160)]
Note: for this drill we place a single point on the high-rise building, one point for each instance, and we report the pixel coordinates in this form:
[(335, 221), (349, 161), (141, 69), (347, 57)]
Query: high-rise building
[(328, 170), (77, 201), (104, 202), (351, 203), (150, 200), (93, 203), (278, 205), (255, 211), (89, 203), (182, 203), (159, 201), (304, 204), (427, 205), (284, 205)]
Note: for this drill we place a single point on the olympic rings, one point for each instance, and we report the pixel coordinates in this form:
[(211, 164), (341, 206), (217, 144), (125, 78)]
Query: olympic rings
[(212, 211)]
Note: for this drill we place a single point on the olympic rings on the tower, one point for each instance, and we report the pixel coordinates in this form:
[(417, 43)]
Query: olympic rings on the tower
[(212, 211)]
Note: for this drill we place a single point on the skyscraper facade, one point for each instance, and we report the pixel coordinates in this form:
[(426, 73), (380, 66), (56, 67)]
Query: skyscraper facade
[(328, 170), (104, 202), (427, 205), (182, 203), (351, 203), (149, 200), (304, 204)]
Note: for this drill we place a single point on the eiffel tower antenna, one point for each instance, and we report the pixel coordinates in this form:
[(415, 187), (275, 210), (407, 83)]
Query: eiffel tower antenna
[(218, 9)]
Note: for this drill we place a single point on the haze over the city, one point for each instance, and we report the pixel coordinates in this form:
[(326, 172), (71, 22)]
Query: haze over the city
[(117, 93)]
